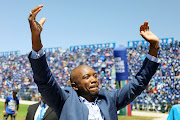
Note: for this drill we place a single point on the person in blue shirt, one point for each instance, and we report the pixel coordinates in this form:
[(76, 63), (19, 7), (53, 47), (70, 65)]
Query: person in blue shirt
[(11, 105), (174, 113)]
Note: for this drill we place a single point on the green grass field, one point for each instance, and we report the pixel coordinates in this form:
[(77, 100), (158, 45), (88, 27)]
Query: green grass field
[(135, 118), (23, 111)]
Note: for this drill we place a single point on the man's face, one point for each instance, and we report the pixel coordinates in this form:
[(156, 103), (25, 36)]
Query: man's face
[(87, 82), (14, 94)]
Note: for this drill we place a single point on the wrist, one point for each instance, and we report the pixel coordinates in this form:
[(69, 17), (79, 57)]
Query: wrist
[(37, 48), (153, 50), (154, 45)]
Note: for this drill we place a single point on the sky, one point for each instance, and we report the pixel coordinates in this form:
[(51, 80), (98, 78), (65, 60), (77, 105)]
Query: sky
[(83, 22)]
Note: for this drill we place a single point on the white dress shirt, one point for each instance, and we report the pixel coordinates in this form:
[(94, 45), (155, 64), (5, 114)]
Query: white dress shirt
[(38, 111), (94, 111)]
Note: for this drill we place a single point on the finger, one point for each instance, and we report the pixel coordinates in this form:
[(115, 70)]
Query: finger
[(35, 13), (41, 22), (146, 26), (142, 28), (142, 33), (146, 23), (36, 8), (31, 16)]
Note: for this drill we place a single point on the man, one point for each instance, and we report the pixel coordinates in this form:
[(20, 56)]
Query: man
[(11, 105), (84, 100), (40, 111), (174, 113)]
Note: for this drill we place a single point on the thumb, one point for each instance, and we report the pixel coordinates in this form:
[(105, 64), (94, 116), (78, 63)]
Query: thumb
[(41, 22), (142, 33)]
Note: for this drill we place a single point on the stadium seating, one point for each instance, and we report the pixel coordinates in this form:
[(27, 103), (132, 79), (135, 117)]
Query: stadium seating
[(163, 89)]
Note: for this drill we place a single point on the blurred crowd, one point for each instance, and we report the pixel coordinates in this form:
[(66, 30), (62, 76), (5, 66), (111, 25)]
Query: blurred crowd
[(15, 71), (164, 87)]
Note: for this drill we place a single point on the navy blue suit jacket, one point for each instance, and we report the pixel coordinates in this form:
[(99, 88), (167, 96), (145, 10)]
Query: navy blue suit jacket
[(68, 106)]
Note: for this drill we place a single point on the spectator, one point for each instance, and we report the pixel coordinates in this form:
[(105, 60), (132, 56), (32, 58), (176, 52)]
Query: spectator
[(40, 111), (174, 114), (11, 105)]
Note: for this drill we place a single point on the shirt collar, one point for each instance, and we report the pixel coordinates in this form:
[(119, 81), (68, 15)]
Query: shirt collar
[(82, 99), (43, 104)]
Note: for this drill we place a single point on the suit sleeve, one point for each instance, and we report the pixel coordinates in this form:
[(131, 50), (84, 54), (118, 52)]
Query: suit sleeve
[(134, 87), (47, 85)]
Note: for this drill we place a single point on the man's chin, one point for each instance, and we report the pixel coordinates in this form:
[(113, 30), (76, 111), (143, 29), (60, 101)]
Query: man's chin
[(94, 92)]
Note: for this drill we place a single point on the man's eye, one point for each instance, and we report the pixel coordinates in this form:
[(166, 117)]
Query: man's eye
[(95, 75), (85, 77)]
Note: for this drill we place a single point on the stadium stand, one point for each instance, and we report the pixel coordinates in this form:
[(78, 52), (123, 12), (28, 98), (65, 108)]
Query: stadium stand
[(163, 89), (16, 71), (160, 95)]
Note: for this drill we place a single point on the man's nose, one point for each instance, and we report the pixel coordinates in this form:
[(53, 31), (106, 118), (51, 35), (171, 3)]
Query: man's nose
[(93, 80)]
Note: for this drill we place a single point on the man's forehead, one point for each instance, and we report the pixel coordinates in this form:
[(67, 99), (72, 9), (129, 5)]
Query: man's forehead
[(83, 69), (80, 71)]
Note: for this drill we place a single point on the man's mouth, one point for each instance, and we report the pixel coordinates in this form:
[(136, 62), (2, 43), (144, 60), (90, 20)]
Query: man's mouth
[(94, 86)]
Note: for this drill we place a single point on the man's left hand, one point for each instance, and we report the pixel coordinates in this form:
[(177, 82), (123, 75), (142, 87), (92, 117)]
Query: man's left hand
[(148, 35)]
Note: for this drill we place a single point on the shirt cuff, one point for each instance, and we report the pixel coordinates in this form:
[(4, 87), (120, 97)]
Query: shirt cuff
[(152, 58), (36, 55)]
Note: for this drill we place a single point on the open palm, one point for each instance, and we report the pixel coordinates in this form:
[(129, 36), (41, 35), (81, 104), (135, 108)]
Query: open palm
[(36, 27), (148, 35)]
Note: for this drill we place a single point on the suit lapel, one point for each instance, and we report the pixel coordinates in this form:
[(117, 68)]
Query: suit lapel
[(102, 105), (85, 111), (35, 108), (48, 111)]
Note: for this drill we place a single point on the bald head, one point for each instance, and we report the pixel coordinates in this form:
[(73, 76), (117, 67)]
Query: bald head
[(76, 71), (84, 81)]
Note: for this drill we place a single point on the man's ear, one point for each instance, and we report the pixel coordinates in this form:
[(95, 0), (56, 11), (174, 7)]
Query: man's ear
[(74, 86), (69, 82)]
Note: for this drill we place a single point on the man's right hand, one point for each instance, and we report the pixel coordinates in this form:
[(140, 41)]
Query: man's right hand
[(36, 28)]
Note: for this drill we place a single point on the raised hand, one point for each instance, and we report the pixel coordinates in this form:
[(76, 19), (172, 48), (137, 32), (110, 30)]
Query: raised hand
[(151, 38), (36, 28), (148, 35)]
